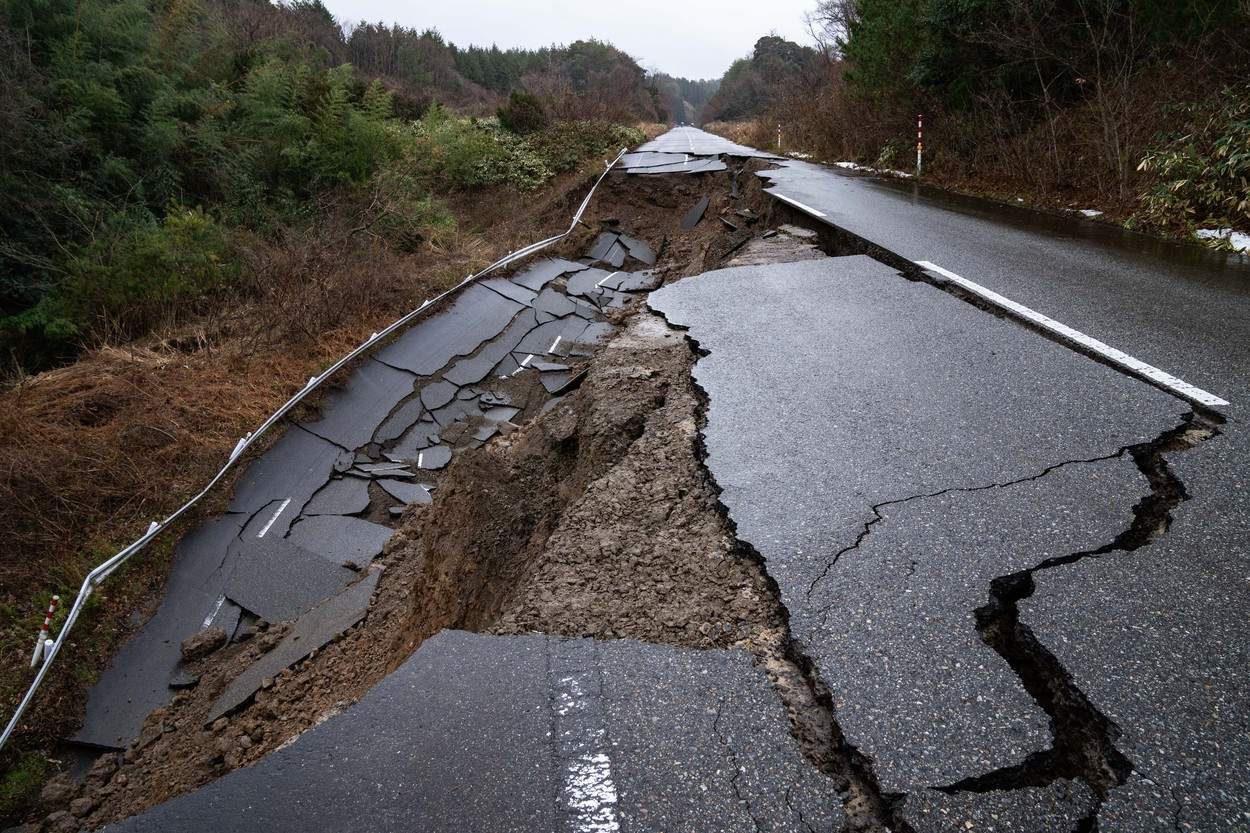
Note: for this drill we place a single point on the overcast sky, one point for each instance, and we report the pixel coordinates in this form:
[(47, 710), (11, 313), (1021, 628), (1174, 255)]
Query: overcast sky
[(690, 38)]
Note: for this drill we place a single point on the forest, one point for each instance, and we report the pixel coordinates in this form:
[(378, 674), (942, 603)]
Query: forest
[(1139, 107), (151, 148)]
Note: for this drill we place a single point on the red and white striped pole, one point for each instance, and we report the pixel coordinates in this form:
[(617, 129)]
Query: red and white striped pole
[(919, 143), (43, 632)]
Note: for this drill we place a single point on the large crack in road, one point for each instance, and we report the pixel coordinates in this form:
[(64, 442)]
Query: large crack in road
[(1084, 739), (1083, 753)]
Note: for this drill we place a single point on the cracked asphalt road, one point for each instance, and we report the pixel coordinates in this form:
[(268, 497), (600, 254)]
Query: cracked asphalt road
[(967, 524), (875, 570)]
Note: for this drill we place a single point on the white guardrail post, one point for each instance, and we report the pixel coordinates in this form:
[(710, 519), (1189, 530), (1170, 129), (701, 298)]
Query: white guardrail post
[(50, 648)]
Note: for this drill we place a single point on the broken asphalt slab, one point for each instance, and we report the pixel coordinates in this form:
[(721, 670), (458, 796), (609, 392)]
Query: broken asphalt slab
[(307, 633), (296, 467), (136, 681), (341, 539), (477, 367), (837, 389), (532, 733), (477, 314), (695, 214), (693, 166), (345, 496), (278, 580), (543, 272), (350, 415)]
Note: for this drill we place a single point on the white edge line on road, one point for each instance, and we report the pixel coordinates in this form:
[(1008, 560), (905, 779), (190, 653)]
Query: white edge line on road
[(208, 620), (281, 509), (1117, 357), (796, 204)]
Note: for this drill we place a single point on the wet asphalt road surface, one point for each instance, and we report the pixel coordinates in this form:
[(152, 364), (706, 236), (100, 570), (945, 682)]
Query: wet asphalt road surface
[(493, 734), (856, 393)]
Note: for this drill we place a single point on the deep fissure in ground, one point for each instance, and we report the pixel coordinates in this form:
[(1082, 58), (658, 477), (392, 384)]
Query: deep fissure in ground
[(1084, 739)]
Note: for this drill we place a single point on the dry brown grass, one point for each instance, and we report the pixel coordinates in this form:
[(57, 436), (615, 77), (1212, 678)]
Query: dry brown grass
[(92, 452), (651, 129), (742, 132)]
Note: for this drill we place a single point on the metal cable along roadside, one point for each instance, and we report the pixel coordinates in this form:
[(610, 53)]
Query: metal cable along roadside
[(102, 571)]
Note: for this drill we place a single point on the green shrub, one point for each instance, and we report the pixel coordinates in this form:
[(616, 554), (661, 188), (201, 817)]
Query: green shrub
[(1202, 172), (134, 273), (407, 215), (348, 142), (456, 153), (564, 145), (523, 114)]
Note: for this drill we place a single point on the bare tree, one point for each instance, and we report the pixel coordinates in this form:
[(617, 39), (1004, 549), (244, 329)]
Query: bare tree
[(830, 24)]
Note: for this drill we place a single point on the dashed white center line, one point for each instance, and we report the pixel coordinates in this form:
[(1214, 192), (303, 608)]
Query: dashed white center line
[(606, 277), (281, 509), (554, 344), (1117, 357), (420, 458)]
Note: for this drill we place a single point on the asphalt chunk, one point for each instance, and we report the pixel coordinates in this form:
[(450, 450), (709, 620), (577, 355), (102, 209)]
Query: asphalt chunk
[(309, 632)]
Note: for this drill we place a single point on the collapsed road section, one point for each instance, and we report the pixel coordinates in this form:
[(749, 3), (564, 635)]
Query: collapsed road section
[(310, 515)]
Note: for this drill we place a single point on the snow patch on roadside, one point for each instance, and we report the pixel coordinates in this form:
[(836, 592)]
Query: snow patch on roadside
[(1239, 240), (855, 166)]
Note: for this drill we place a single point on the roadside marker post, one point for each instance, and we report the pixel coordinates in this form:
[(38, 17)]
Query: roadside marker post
[(41, 640), (919, 143)]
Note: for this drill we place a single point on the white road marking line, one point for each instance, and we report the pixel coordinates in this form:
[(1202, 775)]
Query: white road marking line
[(1117, 357), (281, 509), (420, 458), (554, 344), (208, 620), (606, 277), (589, 790), (523, 364), (797, 204)]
